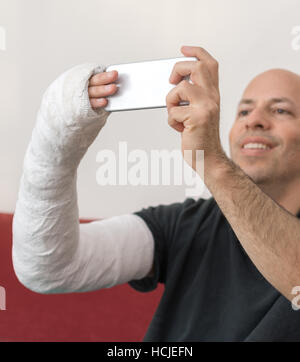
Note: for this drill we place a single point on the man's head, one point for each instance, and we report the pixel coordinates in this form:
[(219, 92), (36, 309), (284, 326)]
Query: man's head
[(269, 114)]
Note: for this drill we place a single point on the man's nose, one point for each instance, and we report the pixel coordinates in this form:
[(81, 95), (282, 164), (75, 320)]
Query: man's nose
[(257, 119)]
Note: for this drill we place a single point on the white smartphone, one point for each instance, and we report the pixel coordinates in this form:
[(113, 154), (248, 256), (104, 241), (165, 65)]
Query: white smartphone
[(143, 85)]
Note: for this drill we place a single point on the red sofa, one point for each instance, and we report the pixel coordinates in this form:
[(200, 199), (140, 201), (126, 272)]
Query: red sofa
[(118, 314)]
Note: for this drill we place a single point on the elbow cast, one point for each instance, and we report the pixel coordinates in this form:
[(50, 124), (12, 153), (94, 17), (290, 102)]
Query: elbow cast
[(33, 279)]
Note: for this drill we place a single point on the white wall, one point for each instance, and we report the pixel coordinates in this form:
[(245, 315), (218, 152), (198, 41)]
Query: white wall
[(45, 38)]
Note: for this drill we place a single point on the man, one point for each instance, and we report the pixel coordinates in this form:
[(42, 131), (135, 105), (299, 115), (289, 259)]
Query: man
[(229, 263)]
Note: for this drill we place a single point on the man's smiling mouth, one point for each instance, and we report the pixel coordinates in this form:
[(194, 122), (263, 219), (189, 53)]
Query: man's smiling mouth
[(256, 146)]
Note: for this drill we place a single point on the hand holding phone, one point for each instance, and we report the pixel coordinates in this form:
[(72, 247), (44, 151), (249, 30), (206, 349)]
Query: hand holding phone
[(101, 86), (139, 85)]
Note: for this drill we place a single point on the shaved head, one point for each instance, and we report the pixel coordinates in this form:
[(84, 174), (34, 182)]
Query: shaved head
[(283, 80)]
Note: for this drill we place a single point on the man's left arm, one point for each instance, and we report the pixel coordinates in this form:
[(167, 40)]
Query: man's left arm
[(269, 234)]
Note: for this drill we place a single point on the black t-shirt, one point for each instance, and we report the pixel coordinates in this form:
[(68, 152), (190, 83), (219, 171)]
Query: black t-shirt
[(213, 291)]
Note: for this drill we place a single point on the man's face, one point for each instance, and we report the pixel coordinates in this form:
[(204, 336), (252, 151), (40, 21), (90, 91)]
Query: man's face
[(269, 115)]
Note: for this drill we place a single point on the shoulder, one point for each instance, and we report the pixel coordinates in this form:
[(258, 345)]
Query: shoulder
[(167, 218)]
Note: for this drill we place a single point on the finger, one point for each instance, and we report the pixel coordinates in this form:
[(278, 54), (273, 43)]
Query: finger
[(184, 91), (102, 90), (98, 102), (179, 127), (180, 114), (103, 78), (199, 73), (198, 52), (180, 70), (206, 57), (180, 118)]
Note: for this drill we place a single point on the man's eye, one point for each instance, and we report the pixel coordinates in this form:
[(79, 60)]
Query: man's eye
[(282, 111), (243, 113)]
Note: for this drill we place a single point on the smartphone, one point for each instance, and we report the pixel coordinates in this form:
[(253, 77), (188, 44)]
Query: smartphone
[(143, 85)]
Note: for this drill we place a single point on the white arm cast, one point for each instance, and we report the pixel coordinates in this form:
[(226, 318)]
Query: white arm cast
[(52, 252)]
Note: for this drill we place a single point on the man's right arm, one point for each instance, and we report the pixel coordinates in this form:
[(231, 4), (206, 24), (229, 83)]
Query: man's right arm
[(52, 252)]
